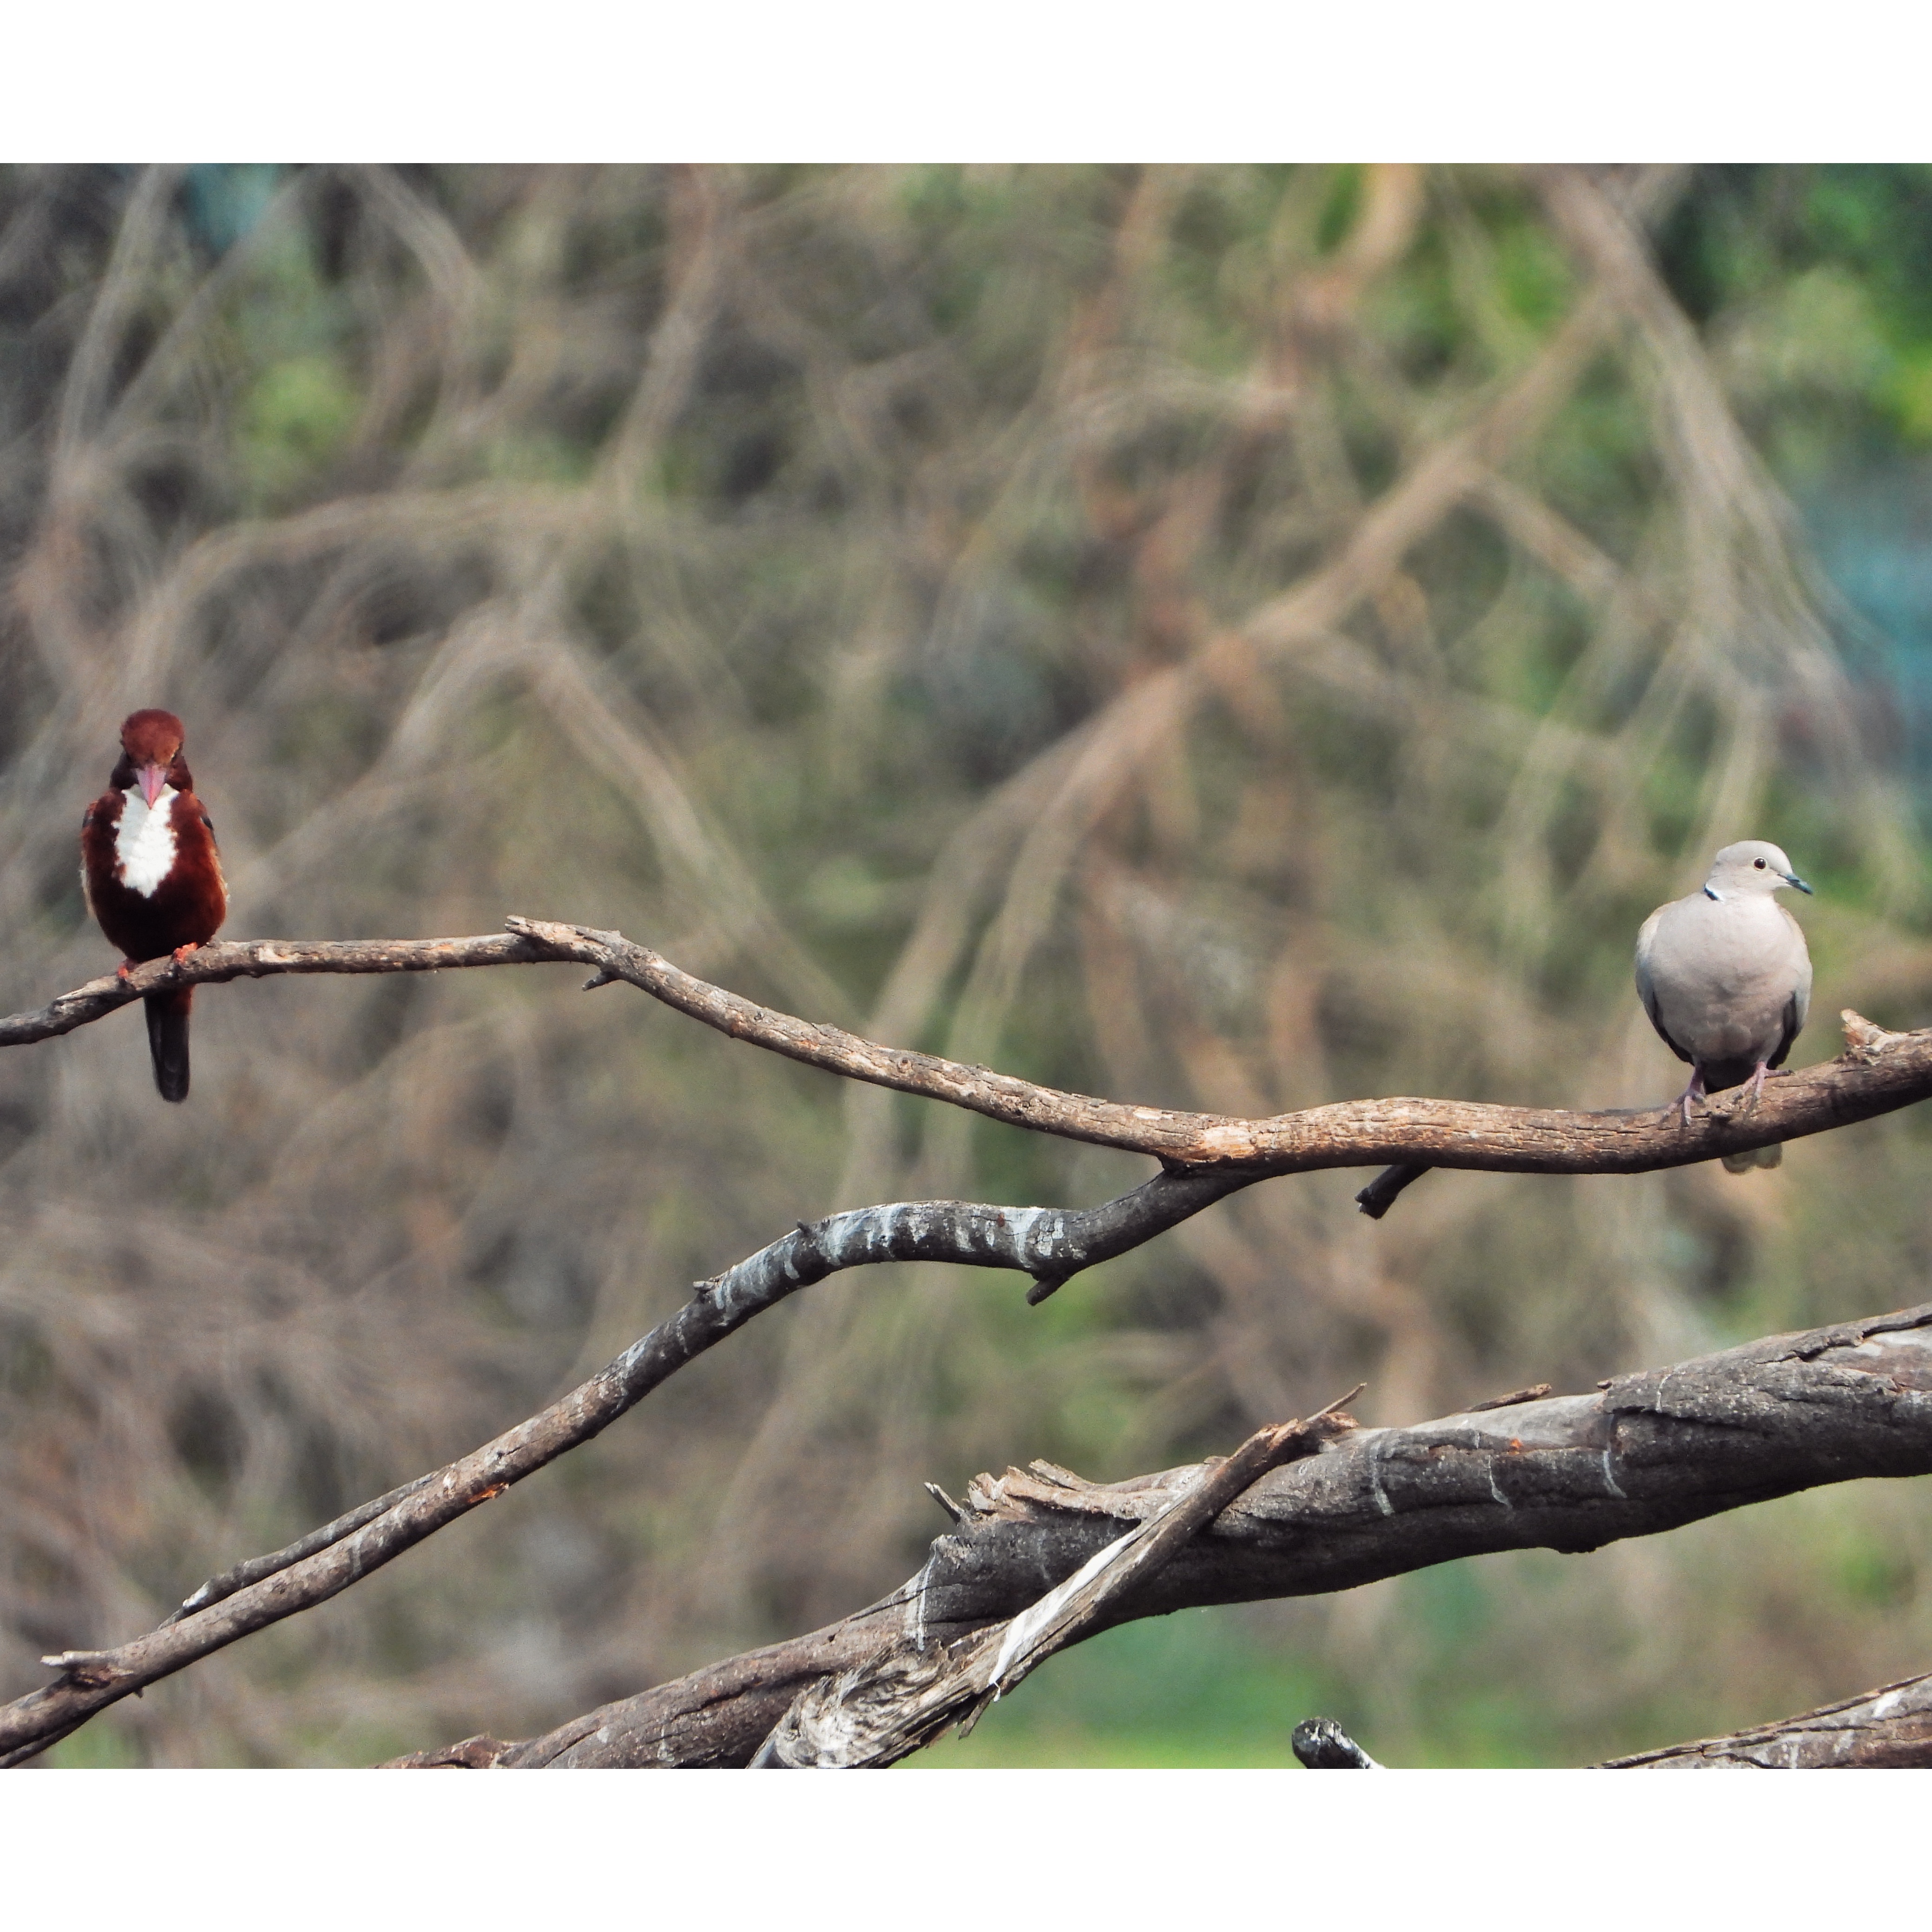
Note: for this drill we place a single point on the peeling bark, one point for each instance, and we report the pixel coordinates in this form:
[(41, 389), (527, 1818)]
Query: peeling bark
[(895, 1704)]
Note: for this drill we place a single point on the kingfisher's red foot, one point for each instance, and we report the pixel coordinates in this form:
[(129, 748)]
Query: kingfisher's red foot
[(181, 953), (125, 969)]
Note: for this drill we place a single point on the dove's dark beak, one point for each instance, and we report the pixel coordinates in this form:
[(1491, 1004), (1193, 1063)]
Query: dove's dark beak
[(1793, 879)]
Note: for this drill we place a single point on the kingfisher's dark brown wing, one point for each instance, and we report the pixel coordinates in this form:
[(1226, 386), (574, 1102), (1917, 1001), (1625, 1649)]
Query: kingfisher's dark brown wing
[(97, 853)]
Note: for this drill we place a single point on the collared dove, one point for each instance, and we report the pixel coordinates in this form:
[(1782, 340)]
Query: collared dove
[(1726, 979)]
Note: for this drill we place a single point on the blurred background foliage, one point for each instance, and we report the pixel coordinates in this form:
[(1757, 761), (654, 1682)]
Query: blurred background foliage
[(1232, 637)]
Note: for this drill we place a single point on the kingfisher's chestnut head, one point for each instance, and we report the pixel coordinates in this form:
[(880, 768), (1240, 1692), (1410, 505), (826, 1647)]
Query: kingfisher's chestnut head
[(151, 754)]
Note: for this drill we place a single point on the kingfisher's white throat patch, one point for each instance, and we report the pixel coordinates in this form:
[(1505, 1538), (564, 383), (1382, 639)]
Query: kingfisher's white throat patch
[(144, 841)]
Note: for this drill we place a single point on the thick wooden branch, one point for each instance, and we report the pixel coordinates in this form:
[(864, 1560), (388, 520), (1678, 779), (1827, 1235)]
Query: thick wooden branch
[(893, 1705), (1049, 1243), (1878, 1073), (1647, 1453)]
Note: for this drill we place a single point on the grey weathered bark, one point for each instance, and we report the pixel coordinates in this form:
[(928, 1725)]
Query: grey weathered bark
[(1648, 1452), (1889, 1728)]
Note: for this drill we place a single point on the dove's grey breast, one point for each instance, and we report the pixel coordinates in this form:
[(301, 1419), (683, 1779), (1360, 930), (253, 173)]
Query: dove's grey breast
[(1726, 981)]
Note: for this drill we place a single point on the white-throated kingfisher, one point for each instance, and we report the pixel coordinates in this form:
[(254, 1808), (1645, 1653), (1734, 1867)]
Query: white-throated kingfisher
[(152, 876)]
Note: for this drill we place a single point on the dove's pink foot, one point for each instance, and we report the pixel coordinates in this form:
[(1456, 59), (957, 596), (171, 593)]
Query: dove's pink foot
[(1695, 1091)]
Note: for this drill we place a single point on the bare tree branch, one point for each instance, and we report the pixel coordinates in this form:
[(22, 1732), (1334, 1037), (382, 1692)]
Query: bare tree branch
[(1049, 1243), (1878, 1073), (1649, 1452), (1886, 1729), (262, 959)]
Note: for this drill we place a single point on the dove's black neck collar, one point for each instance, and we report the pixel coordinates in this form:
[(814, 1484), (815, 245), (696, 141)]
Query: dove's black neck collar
[(1710, 894)]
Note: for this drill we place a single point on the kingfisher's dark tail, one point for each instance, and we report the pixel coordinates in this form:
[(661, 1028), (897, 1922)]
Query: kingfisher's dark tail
[(167, 1040)]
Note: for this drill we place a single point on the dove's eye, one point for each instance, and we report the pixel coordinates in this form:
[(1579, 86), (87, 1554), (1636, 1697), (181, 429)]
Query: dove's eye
[(1759, 863)]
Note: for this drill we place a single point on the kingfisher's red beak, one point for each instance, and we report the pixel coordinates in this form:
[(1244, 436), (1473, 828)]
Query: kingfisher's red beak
[(152, 778)]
